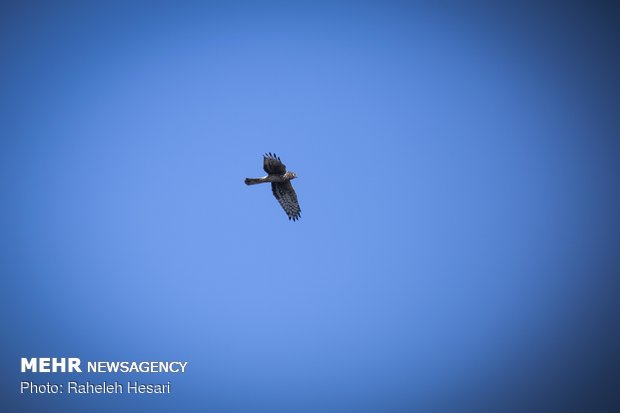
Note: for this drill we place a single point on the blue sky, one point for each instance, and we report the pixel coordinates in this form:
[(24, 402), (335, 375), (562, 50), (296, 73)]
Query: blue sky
[(457, 178)]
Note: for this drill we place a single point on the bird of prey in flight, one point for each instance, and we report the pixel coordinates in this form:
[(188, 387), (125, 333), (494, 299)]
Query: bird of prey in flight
[(281, 185)]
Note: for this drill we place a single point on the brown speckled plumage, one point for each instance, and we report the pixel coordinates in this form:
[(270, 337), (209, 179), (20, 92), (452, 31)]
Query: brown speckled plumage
[(281, 185)]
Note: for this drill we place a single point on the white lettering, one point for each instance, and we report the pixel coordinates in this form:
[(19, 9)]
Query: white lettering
[(29, 365), (44, 365), (51, 365), (74, 365)]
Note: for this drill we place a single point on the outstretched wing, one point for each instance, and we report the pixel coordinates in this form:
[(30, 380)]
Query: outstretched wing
[(273, 165), (286, 196)]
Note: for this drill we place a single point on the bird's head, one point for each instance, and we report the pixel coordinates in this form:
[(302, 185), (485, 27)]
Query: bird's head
[(290, 175)]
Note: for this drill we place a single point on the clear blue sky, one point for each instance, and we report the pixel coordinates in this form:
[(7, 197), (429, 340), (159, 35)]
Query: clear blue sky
[(458, 179)]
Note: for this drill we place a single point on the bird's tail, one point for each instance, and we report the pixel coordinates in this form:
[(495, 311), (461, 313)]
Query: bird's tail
[(253, 181)]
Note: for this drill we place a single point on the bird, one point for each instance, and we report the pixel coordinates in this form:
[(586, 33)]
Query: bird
[(281, 185)]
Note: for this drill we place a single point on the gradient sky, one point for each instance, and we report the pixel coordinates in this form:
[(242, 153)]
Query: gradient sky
[(458, 176)]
